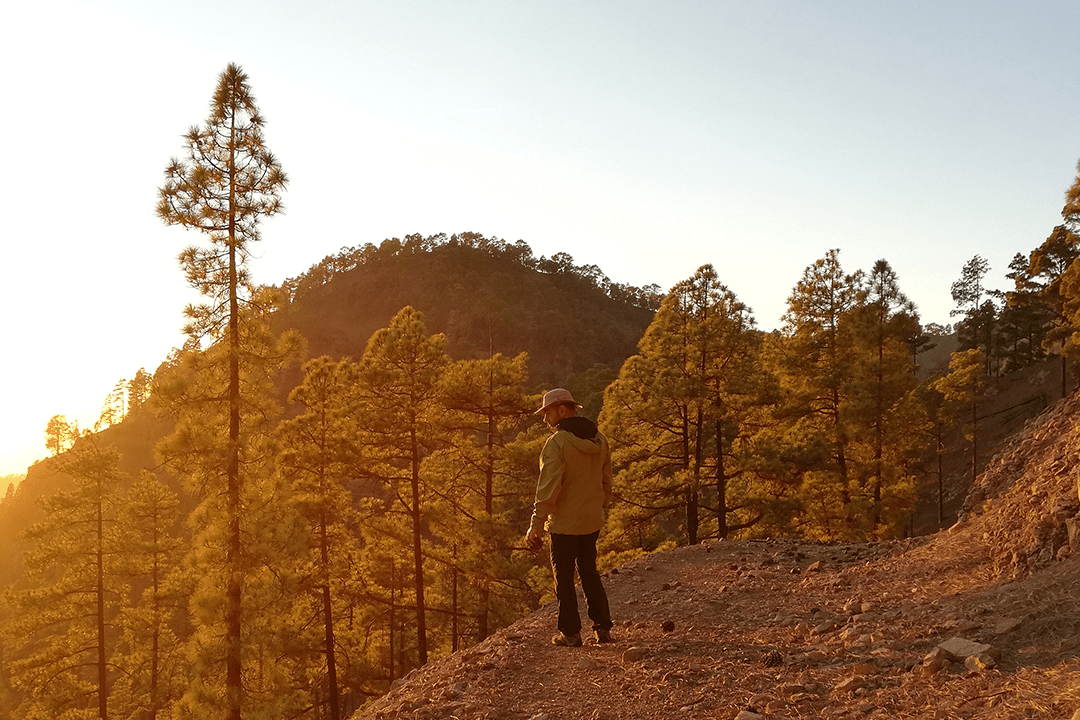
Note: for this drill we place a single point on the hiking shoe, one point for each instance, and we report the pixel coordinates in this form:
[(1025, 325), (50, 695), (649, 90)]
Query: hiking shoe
[(566, 640), (603, 636)]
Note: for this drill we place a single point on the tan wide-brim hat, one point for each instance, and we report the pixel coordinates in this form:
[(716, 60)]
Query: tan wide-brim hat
[(556, 396)]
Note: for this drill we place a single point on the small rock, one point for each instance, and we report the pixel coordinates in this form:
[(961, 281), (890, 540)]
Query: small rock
[(814, 567), (515, 636), (634, 654), (825, 627), (749, 715), (851, 684), (934, 662), (1007, 625), (958, 648), (982, 661), (667, 626), (965, 626)]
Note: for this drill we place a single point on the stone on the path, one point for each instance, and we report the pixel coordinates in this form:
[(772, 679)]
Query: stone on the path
[(982, 661), (749, 715), (826, 627), (959, 648), (634, 654), (1005, 626), (934, 661)]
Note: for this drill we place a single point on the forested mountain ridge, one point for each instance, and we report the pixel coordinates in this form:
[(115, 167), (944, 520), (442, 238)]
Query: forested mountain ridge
[(486, 295)]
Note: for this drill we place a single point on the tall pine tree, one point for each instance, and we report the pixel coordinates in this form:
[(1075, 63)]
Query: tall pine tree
[(227, 183)]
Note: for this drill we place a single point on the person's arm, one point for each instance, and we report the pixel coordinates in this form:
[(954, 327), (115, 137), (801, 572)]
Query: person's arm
[(548, 487), (605, 476)]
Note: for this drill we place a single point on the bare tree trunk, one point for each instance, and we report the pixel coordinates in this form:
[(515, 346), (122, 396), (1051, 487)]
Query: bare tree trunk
[(103, 690), (418, 554), (234, 565), (328, 620)]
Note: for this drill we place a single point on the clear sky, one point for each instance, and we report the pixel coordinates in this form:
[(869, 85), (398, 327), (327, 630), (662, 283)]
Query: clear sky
[(647, 138)]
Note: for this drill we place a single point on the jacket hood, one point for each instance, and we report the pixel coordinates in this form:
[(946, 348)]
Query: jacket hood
[(584, 433), (583, 427)]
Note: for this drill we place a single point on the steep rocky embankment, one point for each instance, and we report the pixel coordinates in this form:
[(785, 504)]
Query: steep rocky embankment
[(982, 620)]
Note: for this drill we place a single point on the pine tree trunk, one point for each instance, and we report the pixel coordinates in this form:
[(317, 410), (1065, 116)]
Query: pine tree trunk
[(155, 639), (103, 691), (1064, 363), (482, 629), (418, 554), (391, 630), (940, 477), (328, 621), (721, 485), (234, 566)]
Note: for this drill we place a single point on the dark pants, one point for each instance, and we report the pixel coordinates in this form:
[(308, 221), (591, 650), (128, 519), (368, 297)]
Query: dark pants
[(580, 550)]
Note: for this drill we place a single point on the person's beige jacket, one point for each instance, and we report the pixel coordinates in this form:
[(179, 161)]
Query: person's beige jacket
[(574, 488)]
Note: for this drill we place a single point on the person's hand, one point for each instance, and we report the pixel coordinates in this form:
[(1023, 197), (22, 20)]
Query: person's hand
[(534, 539)]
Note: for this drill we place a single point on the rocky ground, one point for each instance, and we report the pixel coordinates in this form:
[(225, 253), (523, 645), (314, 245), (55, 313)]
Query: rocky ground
[(981, 621)]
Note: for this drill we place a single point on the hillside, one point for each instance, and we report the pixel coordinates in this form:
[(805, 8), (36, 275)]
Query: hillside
[(982, 620), (484, 295)]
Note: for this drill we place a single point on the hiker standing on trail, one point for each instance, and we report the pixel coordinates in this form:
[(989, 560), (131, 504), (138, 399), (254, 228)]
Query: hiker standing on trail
[(572, 497)]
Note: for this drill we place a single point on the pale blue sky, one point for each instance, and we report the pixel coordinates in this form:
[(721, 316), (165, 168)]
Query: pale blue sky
[(644, 137)]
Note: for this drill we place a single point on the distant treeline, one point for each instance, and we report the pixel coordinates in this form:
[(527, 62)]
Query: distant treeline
[(350, 258)]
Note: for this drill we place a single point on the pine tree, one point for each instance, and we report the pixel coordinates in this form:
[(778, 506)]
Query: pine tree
[(400, 405), (8, 700), (226, 184), (962, 389), (193, 388), (319, 456), (814, 356), (150, 650), (58, 434), (485, 485), (973, 302), (882, 403), (62, 620), (1048, 274), (138, 390), (674, 414)]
